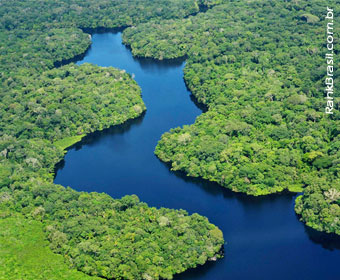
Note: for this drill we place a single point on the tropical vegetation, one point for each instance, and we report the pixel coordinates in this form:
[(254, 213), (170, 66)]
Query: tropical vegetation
[(260, 68), (48, 104)]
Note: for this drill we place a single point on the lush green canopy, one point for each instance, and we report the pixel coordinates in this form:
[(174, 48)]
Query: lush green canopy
[(260, 68), (44, 110)]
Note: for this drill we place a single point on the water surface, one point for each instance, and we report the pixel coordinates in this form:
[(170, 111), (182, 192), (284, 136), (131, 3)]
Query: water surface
[(264, 238)]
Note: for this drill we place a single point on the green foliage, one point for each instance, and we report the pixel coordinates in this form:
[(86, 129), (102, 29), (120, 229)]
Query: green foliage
[(43, 111), (23, 242), (24, 52), (310, 18), (92, 14), (319, 206), (261, 104), (68, 141), (259, 66), (112, 238), (70, 100)]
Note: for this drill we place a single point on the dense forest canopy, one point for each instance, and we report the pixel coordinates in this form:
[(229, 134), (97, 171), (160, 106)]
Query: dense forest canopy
[(43, 111), (260, 68)]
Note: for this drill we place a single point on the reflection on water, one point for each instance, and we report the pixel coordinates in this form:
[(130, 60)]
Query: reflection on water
[(91, 138), (149, 65), (265, 239), (327, 241)]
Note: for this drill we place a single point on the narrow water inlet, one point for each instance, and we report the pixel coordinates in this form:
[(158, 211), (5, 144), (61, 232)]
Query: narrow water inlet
[(264, 238)]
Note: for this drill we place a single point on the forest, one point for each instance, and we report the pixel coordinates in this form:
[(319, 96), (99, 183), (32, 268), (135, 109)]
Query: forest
[(260, 69), (48, 104), (258, 66)]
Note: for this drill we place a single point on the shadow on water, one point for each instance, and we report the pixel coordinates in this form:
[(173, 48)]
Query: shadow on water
[(151, 64), (148, 63), (197, 272), (264, 238), (215, 189), (102, 30), (201, 106), (91, 31), (73, 59), (92, 138), (326, 240)]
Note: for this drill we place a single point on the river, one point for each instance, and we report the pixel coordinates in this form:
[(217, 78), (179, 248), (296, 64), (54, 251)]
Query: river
[(265, 239)]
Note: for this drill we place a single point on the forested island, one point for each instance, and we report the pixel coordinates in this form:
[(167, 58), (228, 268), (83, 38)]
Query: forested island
[(44, 110), (259, 68)]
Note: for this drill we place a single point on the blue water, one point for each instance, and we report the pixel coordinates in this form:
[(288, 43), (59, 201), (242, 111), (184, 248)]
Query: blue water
[(264, 238)]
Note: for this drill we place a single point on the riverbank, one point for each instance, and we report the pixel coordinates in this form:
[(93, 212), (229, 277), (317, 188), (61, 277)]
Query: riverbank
[(261, 232)]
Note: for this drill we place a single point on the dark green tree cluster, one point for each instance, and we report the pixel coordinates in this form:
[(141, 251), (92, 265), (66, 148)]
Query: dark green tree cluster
[(260, 68), (67, 101), (93, 14), (38, 34), (43, 111), (23, 242), (113, 238), (319, 206), (25, 52)]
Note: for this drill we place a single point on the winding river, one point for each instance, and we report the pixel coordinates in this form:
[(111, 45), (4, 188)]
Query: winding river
[(264, 238)]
